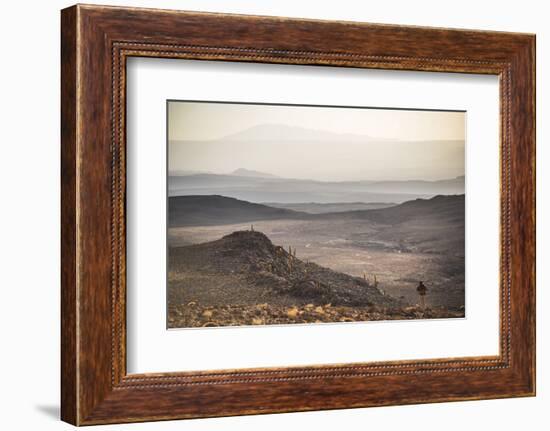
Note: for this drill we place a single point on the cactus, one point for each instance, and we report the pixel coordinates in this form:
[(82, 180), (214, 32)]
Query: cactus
[(289, 259), (291, 256), (365, 277)]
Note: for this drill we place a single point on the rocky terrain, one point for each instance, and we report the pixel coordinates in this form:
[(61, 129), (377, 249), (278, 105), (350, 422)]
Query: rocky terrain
[(400, 245), (194, 314), (249, 268), (244, 279)]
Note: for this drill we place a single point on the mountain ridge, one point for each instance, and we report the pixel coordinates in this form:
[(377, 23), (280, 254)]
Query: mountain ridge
[(243, 172), (287, 190), (206, 210), (277, 132)]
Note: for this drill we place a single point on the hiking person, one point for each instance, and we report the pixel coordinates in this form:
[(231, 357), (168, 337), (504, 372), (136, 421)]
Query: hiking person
[(421, 289)]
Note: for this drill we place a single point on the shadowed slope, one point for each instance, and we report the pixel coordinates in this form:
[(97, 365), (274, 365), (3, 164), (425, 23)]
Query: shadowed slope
[(245, 267)]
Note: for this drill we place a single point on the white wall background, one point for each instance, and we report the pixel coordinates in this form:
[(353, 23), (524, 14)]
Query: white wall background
[(29, 227)]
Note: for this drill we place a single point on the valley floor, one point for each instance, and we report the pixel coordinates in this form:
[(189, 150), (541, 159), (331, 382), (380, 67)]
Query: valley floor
[(398, 259)]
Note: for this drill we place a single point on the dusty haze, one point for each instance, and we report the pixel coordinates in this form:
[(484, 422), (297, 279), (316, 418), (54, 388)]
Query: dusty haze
[(319, 143)]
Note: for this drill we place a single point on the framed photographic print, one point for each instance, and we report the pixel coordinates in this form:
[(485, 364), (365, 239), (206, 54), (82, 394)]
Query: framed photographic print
[(304, 237), (264, 215)]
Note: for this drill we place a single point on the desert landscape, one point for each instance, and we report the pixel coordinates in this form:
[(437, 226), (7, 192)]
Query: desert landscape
[(233, 262), (297, 233)]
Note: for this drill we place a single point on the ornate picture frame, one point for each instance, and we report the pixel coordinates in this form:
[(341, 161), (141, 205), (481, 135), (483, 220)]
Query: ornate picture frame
[(96, 41)]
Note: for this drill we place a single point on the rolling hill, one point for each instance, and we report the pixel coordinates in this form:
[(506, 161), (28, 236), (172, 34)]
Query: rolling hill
[(216, 210), (442, 206), (219, 210), (256, 186), (248, 268)]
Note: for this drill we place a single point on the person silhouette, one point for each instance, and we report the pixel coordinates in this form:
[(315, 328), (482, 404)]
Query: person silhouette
[(422, 289)]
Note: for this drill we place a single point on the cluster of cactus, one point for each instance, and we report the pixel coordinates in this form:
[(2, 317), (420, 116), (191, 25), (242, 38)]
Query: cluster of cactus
[(375, 282), (290, 258)]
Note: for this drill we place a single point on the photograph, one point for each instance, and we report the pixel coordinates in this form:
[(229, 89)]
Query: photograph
[(289, 214)]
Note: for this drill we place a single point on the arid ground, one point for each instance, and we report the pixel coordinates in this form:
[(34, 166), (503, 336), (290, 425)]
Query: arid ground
[(279, 265)]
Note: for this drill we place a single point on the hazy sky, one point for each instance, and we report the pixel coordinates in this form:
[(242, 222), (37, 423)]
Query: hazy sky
[(332, 144)]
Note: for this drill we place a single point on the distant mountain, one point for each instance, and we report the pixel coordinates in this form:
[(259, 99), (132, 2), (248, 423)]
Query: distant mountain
[(216, 210), (300, 150), (449, 186), (267, 188), (283, 132), (449, 207), (241, 172), (220, 210)]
